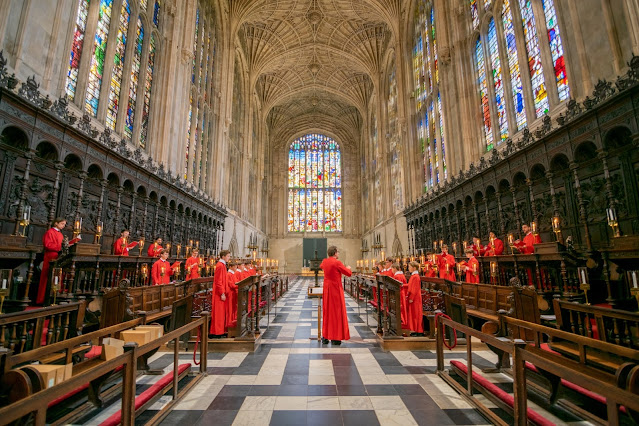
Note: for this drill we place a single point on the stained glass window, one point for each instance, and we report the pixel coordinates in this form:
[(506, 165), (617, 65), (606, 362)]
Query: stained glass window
[(474, 13), (396, 168), (118, 66), (432, 29), (441, 133), (556, 49), (513, 65), (156, 13), (135, 74), (418, 64), (188, 136), (314, 185), (148, 86), (197, 28), (483, 92), (76, 48), (534, 58), (143, 4), (96, 68), (495, 62)]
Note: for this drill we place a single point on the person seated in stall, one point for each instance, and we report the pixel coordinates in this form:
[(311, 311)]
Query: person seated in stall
[(446, 264), (414, 299), (52, 243), (496, 246), (478, 248), (233, 276), (156, 248), (430, 267), (398, 274), (162, 270), (192, 266), (122, 245), (471, 267), (527, 245)]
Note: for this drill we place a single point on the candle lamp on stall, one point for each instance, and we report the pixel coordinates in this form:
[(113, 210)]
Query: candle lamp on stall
[(56, 273), (459, 271), (144, 270), (435, 245), (611, 214), (178, 247), (511, 243), (455, 248), (556, 227), (5, 281), (77, 227), (494, 270), (465, 245), (25, 219), (533, 227), (168, 248), (197, 244), (633, 280), (141, 245), (582, 271), (99, 227)]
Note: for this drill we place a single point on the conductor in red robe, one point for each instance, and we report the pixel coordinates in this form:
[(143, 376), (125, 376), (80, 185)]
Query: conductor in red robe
[(218, 305), (335, 326), (414, 299), (162, 269), (496, 246), (155, 248), (122, 244), (527, 245), (192, 266), (446, 264), (52, 242)]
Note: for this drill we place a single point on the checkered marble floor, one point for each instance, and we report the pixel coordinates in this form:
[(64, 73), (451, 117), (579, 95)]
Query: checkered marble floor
[(293, 380)]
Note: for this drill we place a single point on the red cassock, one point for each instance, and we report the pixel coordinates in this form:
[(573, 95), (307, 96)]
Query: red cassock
[(218, 317), (192, 268), (527, 245), (232, 278), (472, 265), (154, 250), (52, 242), (399, 276), (430, 270), (478, 250), (498, 250), (253, 271), (415, 321), (447, 259), (156, 272), (335, 326), (120, 249)]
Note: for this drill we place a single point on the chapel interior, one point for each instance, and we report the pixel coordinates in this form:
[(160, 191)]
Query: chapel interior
[(475, 164)]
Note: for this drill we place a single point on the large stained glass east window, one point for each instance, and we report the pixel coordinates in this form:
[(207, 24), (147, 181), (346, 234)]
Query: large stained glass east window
[(314, 185), (148, 86), (76, 48), (96, 68), (118, 66)]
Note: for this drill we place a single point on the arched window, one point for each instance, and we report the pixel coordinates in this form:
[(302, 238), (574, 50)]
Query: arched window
[(314, 185), (127, 66), (429, 109), (394, 146), (507, 96), (200, 118)]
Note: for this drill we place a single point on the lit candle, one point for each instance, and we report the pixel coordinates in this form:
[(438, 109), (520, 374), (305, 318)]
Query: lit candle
[(197, 244), (441, 243), (455, 247), (493, 268), (55, 280), (434, 245), (465, 244), (555, 223), (98, 228), (511, 239), (492, 241), (190, 243), (533, 225), (162, 270)]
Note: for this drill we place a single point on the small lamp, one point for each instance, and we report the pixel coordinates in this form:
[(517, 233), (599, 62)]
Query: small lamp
[(583, 281)]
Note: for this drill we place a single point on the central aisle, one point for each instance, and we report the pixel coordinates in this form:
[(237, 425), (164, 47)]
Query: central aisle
[(296, 381)]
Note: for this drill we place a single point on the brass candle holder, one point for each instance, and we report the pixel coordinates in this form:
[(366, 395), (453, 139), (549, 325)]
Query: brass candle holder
[(141, 246), (25, 220), (611, 214), (99, 228), (168, 248), (144, 270), (511, 243), (455, 248), (178, 250), (77, 227), (494, 269), (582, 271), (57, 282)]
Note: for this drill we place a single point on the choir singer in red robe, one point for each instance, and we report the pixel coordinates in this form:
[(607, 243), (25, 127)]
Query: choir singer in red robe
[(472, 267), (155, 248), (496, 246), (414, 299), (446, 264), (162, 269), (527, 245), (192, 266), (122, 245), (52, 242), (335, 327), (218, 317), (398, 274)]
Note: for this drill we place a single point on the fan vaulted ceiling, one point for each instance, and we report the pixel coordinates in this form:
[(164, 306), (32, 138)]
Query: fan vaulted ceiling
[(311, 62)]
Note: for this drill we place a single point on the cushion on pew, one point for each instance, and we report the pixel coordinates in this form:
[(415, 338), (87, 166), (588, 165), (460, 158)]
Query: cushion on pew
[(93, 352), (576, 388), (507, 398), (146, 396)]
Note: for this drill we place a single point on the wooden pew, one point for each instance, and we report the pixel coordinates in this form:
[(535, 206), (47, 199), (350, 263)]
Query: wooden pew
[(608, 325), (28, 330)]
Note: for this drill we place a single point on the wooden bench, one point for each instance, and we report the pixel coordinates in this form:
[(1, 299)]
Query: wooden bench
[(32, 329)]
